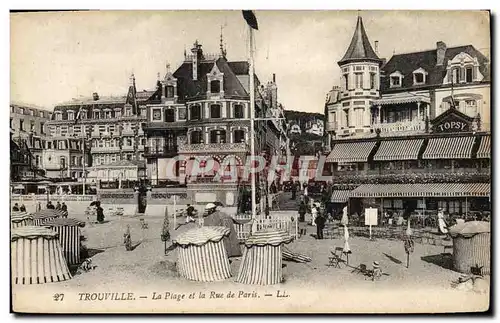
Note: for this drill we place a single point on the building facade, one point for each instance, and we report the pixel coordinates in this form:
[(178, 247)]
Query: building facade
[(203, 113), (28, 126), (410, 135), (109, 128)]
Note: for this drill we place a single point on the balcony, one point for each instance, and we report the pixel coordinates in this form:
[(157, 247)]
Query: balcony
[(128, 148), (109, 150), (127, 132), (213, 148), (166, 151), (412, 126)]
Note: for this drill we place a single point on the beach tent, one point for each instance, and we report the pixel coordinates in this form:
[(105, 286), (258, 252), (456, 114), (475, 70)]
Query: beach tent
[(43, 215), (69, 237), (20, 219), (36, 256), (262, 258), (202, 255)]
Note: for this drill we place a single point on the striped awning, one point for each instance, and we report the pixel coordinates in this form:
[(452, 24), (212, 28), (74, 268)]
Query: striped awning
[(351, 152), (401, 98), (268, 237), (200, 236), (399, 149), (32, 232), (423, 190), (55, 222), (449, 148), (340, 196), (484, 150)]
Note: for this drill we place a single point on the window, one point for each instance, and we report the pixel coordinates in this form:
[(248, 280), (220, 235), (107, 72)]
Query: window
[(346, 81), (196, 137), (238, 111), (170, 115), (128, 111), (96, 114), (215, 86), (156, 115), (170, 91), (62, 162), (73, 159), (42, 128), (71, 115), (80, 161), (418, 78), (395, 81), (358, 80), (21, 125), (118, 113), (217, 136), (455, 73), (469, 74), (32, 125), (41, 114), (215, 111), (21, 111), (11, 122), (239, 136), (373, 81), (37, 161), (346, 117), (195, 112)]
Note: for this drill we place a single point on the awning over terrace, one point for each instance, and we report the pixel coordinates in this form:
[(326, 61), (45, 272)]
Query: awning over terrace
[(423, 190)]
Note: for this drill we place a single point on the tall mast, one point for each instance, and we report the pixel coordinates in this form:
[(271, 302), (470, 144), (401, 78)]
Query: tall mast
[(252, 122)]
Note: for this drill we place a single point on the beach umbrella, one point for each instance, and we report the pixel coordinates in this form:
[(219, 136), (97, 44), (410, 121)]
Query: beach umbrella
[(347, 249)]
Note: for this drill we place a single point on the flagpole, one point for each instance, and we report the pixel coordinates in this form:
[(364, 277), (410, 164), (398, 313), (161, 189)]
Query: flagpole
[(252, 122)]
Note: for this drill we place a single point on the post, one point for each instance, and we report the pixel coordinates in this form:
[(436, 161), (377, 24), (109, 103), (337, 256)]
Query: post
[(466, 207), (83, 164), (407, 260), (370, 230), (252, 121), (174, 212)]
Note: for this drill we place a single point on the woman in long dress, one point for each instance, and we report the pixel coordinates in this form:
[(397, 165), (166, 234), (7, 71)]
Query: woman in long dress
[(441, 223)]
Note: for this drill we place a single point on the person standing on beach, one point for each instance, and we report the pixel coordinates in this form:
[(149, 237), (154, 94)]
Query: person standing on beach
[(100, 213), (320, 225), (302, 211)]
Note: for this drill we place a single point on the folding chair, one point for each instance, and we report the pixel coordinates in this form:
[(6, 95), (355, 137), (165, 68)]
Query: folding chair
[(336, 257), (361, 269)]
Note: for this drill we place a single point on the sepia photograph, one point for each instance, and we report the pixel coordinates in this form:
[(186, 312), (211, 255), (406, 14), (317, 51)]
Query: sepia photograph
[(250, 161)]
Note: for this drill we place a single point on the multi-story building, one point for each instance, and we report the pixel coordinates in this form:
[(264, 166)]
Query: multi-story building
[(204, 113), (410, 134), (28, 125), (111, 127)]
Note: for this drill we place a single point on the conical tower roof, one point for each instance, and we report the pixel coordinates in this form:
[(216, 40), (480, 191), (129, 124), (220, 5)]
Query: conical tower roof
[(360, 48)]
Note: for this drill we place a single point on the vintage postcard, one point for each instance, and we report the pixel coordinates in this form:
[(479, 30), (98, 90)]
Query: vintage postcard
[(250, 161)]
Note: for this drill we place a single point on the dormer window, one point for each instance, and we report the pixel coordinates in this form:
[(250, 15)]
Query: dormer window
[(396, 79), (419, 76), (469, 74), (58, 116), (455, 75), (170, 91), (96, 114), (71, 115), (215, 86)]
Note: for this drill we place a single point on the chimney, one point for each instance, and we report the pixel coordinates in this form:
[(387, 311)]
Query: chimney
[(440, 53), (197, 56), (274, 78), (376, 47), (95, 96)]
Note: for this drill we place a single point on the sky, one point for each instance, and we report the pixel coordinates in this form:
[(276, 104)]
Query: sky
[(59, 56)]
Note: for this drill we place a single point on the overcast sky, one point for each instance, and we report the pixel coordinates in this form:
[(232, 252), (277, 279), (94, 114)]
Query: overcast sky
[(59, 56)]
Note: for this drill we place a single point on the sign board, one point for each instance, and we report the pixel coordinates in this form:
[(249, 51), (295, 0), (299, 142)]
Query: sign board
[(452, 120), (371, 216)]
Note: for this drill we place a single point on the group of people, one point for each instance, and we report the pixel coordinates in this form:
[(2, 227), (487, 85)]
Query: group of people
[(319, 217), (18, 208)]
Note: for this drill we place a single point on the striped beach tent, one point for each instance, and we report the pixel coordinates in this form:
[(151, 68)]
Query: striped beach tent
[(69, 237), (36, 256), (202, 255), (20, 219), (262, 258), (41, 216)]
